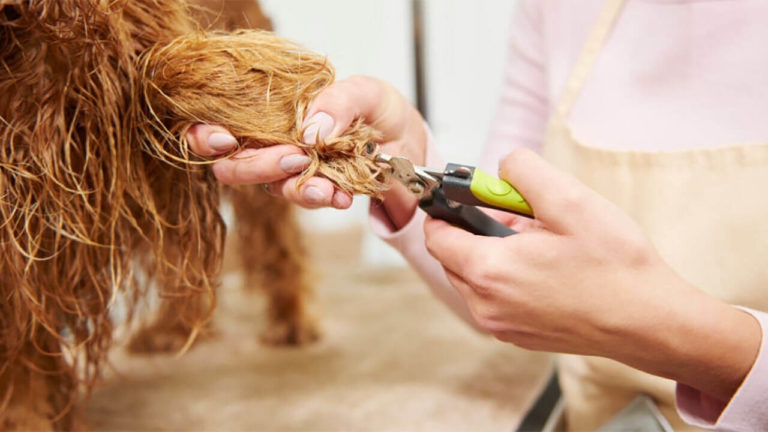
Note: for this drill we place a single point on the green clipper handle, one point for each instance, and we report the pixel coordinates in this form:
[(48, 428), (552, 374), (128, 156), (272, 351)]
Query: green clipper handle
[(469, 185)]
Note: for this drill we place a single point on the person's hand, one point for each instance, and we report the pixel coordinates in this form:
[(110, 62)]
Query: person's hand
[(330, 114), (585, 280)]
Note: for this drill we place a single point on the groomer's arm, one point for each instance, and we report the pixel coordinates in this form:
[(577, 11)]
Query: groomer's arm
[(587, 281)]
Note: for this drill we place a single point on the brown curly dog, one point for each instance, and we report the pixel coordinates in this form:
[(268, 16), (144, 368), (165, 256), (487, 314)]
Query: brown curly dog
[(101, 201)]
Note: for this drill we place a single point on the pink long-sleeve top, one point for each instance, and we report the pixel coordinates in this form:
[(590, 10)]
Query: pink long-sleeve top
[(697, 70)]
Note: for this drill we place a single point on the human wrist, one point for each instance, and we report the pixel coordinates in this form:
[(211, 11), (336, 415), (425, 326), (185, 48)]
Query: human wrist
[(721, 347), (694, 339)]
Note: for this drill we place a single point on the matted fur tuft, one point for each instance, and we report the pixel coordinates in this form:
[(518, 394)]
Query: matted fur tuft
[(258, 86)]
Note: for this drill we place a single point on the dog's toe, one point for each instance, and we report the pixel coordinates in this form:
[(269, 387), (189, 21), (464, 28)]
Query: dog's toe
[(290, 333)]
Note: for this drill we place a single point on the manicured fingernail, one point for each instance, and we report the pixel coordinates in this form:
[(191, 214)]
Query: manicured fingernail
[(314, 195), (341, 200), (221, 141), (318, 126), (294, 163)]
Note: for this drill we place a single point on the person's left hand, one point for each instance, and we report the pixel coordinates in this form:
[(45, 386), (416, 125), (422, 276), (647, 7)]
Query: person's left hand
[(585, 280)]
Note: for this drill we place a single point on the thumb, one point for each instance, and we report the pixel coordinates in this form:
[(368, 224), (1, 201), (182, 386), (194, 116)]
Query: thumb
[(558, 200), (336, 107)]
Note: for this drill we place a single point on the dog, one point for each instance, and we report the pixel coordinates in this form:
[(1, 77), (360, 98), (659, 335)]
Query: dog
[(270, 248), (101, 201)]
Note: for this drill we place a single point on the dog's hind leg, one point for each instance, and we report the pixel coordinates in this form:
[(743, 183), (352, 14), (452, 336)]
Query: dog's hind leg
[(171, 329), (274, 259), (38, 390)]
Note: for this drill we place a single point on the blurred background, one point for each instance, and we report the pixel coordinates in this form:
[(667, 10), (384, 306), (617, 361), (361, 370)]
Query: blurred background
[(446, 56)]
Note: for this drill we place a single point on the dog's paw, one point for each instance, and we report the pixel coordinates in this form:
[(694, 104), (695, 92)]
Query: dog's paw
[(158, 339), (19, 419), (290, 333)]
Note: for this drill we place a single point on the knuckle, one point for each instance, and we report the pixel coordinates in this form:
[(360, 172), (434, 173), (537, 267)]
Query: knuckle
[(480, 271), (481, 284), (482, 315), (491, 324), (572, 202), (357, 80), (340, 99), (543, 255), (225, 172), (289, 190), (517, 158), (331, 99), (486, 324), (342, 93), (195, 143), (637, 250), (431, 237)]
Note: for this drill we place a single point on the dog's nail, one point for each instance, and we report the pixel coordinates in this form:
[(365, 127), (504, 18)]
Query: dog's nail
[(220, 141), (319, 126), (314, 195), (294, 163)]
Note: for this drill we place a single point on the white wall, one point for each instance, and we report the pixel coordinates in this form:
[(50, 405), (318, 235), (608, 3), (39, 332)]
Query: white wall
[(464, 54)]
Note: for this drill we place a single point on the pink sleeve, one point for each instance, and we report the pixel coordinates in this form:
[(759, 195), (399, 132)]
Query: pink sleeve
[(748, 408), (523, 110)]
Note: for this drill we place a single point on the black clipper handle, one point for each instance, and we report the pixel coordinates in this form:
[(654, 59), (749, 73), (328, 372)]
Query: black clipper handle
[(469, 218)]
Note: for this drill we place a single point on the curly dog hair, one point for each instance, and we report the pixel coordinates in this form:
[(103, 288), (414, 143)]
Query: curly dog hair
[(101, 200)]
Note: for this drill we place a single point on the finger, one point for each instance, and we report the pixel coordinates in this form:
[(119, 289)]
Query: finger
[(206, 140), (337, 106), (341, 200), (461, 286), (516, 222), (264, 165), (559, 200), (475, 303), (456, 249), (317, 192)]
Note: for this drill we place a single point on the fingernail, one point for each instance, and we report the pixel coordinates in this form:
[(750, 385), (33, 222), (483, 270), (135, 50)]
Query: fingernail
[(314, 195), (319, 126), (220, 141), (294, 163)]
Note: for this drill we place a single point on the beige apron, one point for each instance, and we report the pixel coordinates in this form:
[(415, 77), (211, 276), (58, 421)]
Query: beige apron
[(705, 210)]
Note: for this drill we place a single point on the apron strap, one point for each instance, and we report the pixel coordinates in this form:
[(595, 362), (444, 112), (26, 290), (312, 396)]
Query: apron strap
[(589, 54)]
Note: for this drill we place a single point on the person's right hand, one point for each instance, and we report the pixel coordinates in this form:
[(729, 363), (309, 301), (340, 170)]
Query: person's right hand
[(329, 115)]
